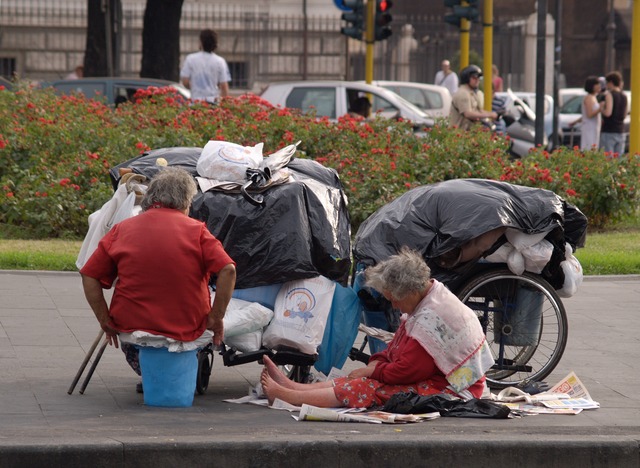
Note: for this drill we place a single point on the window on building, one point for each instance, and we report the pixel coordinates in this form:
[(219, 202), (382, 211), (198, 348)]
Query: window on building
[(8, 67), (239, 78)]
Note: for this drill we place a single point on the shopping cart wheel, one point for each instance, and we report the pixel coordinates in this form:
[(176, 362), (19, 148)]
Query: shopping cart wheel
[(205, 364)]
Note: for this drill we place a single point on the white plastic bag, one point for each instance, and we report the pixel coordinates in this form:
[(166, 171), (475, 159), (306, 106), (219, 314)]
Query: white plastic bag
[(573, 273), (225, 161), (244, 317), (245, 343), (537, 256), (300, 315)]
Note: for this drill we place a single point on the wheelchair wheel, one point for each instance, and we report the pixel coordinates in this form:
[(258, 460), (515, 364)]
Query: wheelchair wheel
[(205, 364), (524, 321)]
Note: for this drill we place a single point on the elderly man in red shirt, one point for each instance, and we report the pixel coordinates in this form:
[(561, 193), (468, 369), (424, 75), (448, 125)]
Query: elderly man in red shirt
[(162, 260)]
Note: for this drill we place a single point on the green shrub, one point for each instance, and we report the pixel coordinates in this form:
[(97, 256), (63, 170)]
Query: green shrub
[(55, 154)]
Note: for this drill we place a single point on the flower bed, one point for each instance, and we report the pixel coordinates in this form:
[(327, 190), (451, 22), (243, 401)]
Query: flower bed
[(55, 152)]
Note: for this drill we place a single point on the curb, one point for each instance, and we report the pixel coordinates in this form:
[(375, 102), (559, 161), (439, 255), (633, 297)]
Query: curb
[(467, 452)]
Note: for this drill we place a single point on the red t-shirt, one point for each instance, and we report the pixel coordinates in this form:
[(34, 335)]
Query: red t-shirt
[(163, 260)]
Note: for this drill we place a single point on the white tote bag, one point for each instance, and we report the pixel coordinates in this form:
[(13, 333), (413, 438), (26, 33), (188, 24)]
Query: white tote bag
[(300, 315)]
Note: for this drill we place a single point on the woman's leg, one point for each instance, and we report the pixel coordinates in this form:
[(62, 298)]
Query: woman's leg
[(310, 395), (278, 376)]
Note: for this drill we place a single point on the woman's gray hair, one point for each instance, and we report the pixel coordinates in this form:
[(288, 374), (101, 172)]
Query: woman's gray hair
[(171, 187), (400, 275)]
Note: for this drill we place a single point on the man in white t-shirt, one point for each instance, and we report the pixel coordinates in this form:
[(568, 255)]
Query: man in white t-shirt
[(447, 77), (205, 73)]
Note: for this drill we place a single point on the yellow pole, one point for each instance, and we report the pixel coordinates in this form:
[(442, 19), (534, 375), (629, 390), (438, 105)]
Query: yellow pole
[(634, 130), (487, 20), (369, 38), (465, 27)]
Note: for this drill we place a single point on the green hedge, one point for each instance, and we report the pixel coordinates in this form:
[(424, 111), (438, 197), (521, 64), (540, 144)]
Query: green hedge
[(55, 153)]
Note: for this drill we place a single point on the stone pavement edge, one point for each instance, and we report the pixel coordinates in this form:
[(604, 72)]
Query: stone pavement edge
[(46, 329)]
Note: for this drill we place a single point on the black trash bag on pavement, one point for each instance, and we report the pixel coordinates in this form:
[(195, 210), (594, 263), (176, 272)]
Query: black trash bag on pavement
[(446, 405), (302, 229), (440, 218)]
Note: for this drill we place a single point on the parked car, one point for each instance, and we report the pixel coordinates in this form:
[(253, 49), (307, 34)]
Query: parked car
[(334, 99), (432, 99), (114, 91), (565, 94)]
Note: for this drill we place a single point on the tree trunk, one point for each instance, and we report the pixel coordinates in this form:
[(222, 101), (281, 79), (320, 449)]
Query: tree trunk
[(104, 20), (161, 40)]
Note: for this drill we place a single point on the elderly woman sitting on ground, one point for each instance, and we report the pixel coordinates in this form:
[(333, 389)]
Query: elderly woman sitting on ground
[(439, 348)]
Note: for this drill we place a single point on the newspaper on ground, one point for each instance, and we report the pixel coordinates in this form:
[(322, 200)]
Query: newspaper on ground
[(313, 413), (568, 396)]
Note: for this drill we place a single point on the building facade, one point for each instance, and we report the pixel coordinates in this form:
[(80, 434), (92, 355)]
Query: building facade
[(273, 40)]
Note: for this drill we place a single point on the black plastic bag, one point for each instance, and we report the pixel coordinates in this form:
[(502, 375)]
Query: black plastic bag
[(302, 229), (438, 219), (446, 405)]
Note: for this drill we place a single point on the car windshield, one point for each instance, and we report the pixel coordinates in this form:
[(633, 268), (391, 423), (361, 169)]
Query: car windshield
[(572, 106), (411, 106), (421, 98)]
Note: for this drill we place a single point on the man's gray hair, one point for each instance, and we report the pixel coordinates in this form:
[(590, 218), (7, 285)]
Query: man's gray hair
[(400, 275), (171, 187)]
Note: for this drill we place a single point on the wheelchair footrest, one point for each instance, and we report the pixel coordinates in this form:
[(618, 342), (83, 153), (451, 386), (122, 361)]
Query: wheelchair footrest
[(510, 365), (230, 357), (295, 358)]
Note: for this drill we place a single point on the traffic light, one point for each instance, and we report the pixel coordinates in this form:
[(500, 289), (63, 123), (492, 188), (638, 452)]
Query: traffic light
[(382, 30), (354, 19), (468, 11)]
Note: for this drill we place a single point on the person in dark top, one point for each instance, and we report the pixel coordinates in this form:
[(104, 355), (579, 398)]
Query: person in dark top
[(612, 136), (361, 107)]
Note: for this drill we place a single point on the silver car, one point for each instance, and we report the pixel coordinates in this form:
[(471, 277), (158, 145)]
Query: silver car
[(334, 99), (432, 99)]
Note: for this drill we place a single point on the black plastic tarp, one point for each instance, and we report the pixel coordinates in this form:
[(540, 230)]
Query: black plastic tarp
[(302, 229), (435, 219)]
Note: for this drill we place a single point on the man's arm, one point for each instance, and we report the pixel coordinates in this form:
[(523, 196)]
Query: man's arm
[(608, 105), (224, 289), (97, 302), (224, 89), (480, 114), (186, 83)]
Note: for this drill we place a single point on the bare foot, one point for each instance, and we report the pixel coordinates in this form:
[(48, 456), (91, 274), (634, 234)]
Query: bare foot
[(276, 374), (270, 387)]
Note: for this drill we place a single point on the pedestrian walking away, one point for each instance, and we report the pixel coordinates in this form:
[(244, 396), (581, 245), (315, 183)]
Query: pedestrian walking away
[(205, 73)]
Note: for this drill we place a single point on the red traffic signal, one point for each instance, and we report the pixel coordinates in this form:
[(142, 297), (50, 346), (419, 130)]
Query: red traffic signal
[(382, 20)]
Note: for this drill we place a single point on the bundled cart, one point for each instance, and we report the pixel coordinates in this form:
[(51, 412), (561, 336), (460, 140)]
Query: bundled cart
[(504, 250), (277, 233)]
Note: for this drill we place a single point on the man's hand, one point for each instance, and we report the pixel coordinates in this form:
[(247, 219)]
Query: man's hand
[(110, 333), (216, 325)]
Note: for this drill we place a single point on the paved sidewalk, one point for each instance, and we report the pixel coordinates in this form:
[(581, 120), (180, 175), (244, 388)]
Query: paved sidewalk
[(46, 329)]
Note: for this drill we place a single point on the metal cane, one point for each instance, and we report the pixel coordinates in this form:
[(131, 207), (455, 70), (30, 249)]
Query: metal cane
[(93, 366), (84, 363)]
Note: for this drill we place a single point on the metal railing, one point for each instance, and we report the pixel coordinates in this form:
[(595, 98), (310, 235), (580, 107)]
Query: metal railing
[(46, 39)]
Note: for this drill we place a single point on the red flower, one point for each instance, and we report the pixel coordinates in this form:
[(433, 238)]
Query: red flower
[(9, 194), (571, 192)]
